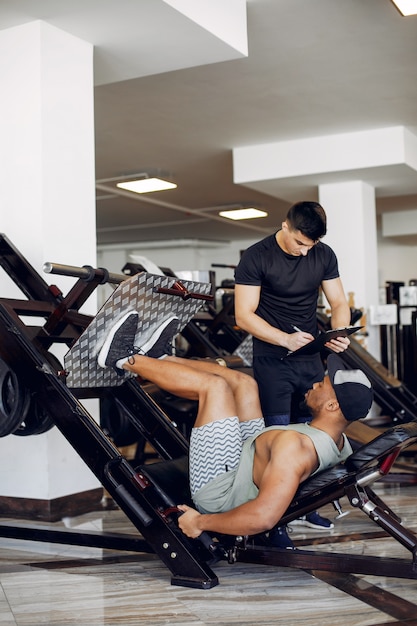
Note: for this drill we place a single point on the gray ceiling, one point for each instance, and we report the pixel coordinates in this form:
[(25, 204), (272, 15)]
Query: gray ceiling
[(315, 67)]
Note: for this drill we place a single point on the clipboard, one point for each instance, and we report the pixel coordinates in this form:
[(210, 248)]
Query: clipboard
[(318, 343)]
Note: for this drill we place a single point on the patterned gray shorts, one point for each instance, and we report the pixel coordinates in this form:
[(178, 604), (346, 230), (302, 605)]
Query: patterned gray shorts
[(215, 448)]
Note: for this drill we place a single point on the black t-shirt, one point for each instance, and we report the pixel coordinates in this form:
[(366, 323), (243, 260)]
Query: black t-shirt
[(289, 286)]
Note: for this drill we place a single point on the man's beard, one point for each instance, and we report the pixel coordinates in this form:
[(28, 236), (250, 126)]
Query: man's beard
[(303, 406), (306, 409)]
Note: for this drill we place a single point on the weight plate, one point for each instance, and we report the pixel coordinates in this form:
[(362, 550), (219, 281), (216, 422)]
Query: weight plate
[(14, 400), (37, 419), (36, 422)]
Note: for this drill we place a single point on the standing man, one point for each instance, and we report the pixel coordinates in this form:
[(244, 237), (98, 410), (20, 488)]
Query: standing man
[(277, 287)]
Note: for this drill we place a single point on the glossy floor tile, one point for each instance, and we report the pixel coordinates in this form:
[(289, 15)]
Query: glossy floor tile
[(59, 585)]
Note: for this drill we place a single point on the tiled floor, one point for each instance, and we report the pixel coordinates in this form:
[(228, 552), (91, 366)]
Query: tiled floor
[(58, 585)]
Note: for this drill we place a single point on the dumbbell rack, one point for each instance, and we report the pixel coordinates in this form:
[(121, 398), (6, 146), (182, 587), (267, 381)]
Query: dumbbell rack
[(24, 349)]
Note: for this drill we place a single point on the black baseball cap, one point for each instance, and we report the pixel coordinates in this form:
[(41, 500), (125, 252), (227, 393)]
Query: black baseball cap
[(352, 388)]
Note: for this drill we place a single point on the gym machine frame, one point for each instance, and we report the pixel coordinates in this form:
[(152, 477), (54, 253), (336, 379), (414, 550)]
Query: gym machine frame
[(141, 496), (25, 349)]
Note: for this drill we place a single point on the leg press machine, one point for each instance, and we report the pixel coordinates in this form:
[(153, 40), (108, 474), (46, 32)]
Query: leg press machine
[(150, 493)]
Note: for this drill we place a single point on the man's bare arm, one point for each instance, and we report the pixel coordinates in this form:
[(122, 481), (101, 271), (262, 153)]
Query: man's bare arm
[(246, 303), (293, 459), (339, 310)]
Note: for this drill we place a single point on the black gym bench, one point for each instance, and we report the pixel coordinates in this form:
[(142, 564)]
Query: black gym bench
[(352, 480)]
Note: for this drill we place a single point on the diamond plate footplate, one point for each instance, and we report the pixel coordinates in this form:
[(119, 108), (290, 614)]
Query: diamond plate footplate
[(138, 293)]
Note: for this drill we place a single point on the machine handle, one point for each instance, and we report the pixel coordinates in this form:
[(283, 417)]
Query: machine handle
[(178, 289)]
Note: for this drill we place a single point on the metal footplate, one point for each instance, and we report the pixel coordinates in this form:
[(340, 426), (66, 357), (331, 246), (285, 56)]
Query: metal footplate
[(155, 298)]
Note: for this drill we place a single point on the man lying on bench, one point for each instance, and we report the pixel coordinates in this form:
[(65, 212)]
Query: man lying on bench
[(243, 476)]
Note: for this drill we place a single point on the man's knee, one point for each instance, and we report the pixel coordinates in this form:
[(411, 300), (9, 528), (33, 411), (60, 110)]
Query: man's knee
[(245, 381), (214, 384)]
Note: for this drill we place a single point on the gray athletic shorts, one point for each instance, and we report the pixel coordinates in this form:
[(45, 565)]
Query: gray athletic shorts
[(215, 448)]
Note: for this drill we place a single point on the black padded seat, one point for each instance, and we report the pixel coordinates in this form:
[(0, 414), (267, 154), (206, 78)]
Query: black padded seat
[(320, 481), (362, 458), (331, 484), (381, 445), (172, 477)]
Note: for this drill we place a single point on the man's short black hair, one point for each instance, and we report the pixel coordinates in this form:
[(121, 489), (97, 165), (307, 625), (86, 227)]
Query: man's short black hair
[(309, 218)]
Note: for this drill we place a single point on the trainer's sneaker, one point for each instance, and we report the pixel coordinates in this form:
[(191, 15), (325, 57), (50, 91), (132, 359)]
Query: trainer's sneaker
[(119, 343), (313, 520), (159, 343), (278, 538)]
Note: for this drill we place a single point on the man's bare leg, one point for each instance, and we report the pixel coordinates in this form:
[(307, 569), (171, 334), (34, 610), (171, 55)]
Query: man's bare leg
[(220, 392), (213, 393), (244, 387)]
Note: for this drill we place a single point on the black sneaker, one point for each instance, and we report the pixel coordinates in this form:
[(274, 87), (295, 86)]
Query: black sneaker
[(159, 343), (119, 343), (278, 538)]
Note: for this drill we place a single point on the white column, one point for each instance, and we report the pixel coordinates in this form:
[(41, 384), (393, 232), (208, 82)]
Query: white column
[(351, 232), (47, 207)]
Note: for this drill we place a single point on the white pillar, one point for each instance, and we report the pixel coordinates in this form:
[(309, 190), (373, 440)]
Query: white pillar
[(47, 207), (351, 232)]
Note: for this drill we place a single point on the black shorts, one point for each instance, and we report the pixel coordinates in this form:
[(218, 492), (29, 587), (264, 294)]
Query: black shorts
[(280, 379)]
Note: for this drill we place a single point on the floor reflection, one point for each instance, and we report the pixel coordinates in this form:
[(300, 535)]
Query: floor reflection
[(42, 583)]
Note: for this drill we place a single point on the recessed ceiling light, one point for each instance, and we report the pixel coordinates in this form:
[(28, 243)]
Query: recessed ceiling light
[(146, 185), (243, 214), (406, 7)]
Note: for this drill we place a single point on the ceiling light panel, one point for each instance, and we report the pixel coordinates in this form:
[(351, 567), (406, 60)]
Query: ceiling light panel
[(243, 214), (146, 185), (406, 7)]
